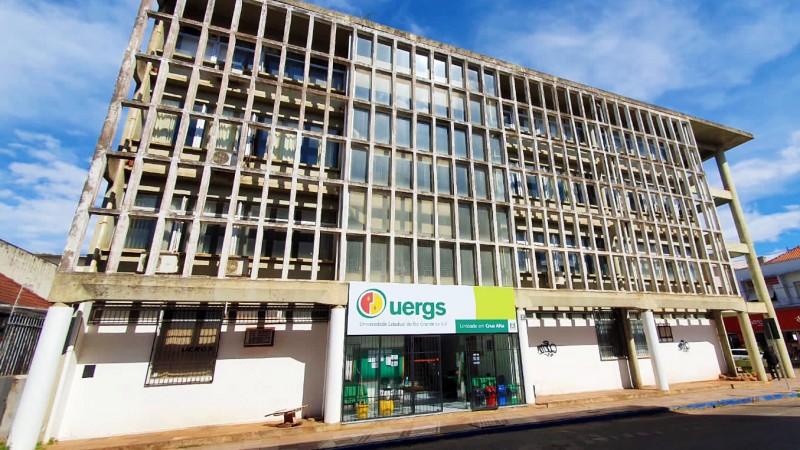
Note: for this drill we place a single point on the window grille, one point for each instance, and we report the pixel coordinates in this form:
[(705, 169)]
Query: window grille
[(664, 332), (609, 334), (637, 330), (185, 347), (125, 313)]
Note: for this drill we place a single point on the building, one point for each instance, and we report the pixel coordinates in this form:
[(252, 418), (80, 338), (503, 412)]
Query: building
[(495, 233), (781, 275)]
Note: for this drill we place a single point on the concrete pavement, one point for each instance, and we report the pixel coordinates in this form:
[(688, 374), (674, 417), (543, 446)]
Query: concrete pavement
[(549, 411)]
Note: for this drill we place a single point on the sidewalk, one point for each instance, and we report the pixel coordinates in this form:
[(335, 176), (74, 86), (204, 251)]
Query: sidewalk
[(549, 411)]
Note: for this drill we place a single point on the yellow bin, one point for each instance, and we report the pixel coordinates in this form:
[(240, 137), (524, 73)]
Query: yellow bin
[(362, 410), (386, 407)]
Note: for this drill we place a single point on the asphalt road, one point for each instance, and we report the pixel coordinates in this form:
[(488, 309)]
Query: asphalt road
[(768, 425)]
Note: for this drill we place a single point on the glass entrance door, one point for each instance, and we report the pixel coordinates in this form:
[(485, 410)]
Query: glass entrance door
[(423, 391)]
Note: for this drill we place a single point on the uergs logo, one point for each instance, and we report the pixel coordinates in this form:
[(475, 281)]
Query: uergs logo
[(371, 303)]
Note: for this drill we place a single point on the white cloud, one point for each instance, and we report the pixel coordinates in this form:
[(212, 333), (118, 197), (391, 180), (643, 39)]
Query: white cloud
[(61, 59), (767, 176), (38, 197), (644, 48), (763, 227)]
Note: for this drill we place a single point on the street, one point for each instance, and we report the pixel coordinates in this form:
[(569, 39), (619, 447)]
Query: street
[(772, 425)]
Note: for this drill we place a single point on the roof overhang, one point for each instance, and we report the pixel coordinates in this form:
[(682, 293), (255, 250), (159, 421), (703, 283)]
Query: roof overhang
[(712, 137)]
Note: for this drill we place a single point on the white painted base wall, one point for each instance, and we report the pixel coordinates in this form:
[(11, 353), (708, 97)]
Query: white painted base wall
[(248, 382), (577, 367)]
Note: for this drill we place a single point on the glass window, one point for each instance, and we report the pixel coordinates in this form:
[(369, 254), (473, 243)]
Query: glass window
[(496, 149), (402, 215), (473, 84), (354, 268), (506, 267), (485, 223), (459, 106), (424, 136), (380, 211), (383, 55), (364, 49), (361, 124), (440, 103), (447, 264), (445, 210), (457, 74), (475, 111), (403, 135), (465, 229), (492, 118), (460, 139), (489, 84), (383, 128), (423, 65), (503, 230), (356, 211), (403, 165), (440, 70), (467, 254), (500, 191), (425, 263), (403, 93), (533, 185), (381, 170), (481, 183), (362, 85), (443, 177), (462, 179), (425, 224), (487, 267), (424, 178), (423, 97), (358, 165), (508, 116), (379, 259), (442, 139), (403, 60), (383, 89), (478, 148), (309, 151), (403, 270)]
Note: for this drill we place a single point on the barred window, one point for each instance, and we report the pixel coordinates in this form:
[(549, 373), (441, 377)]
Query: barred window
[(637, 329), (609, 334), (186, 346), (665, 332)]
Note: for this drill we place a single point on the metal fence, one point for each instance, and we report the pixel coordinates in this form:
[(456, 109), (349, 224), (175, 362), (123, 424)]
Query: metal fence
[(19, 342)]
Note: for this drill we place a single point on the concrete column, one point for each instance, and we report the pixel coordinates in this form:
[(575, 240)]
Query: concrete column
[(752, 259), (651, 334), (633, 358), (334, 367), (751, 345), (524, 357), (41, 379), (725, 345)]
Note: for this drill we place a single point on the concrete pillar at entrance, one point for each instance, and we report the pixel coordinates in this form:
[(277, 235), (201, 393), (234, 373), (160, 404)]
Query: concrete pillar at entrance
[(335, 365), (633, 359), (722, 335), (651, 334), (751, 345), (41, 379), (752, 259), (524, 356)]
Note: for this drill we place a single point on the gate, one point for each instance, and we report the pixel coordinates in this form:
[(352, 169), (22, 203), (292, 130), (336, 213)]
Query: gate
[(19, 342)]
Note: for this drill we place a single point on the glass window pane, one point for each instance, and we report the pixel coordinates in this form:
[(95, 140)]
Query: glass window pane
[(403, 270), (402, 215), (460, 139), (500, 191), (496, 149), (424, 178), (379, 259), (473, 84), (358, 165), (383, 55), (489, 84), (403, 167), (487, 267), (425, 263), (423, 97), (481, 183), (364, 49), (467, 256), (403, 60), (443, 182), (440, 103), (380, 212), (423, 66), (440, 70), (475, 112), (492, 118), (424, 136), (362, 82), (485, 223), (506, 267), (478, 147), (462, 179), (403, 135), (465, 230), (445, 212), (383, 128), (361, 124), (383, 89), (309, 151), (503, 231), (356, 211), (447, 264), (354, 268), (457, 74), (425, 224), (381, 170), (403, 93), (442, 140), (459, 106)]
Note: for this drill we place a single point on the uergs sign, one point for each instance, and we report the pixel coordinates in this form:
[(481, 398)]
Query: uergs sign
[(401, 309)]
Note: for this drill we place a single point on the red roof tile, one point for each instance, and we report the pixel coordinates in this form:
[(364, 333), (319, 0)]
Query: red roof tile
[(788, 256), (9, 289)]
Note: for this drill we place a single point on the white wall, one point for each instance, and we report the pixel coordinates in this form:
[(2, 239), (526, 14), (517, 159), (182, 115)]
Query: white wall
[(704, 360), (576, 367), (248, 382), (27, 269)]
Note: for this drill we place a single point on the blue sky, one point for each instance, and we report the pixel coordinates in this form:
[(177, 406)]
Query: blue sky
[(736, 63)]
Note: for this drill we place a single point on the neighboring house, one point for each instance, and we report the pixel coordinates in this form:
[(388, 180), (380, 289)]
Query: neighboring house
[(301, 207), (782, 277)]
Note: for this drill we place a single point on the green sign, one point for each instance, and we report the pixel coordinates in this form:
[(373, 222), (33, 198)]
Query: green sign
[(481, 326)]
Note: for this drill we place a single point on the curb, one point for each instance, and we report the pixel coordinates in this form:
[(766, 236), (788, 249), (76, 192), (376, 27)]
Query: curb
[(613, 415)]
